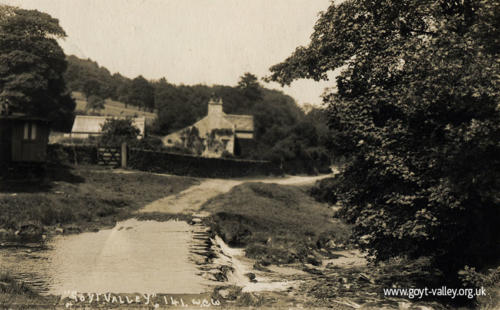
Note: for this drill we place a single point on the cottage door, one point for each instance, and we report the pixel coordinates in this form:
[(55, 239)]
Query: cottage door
[(5, 141), (17, 142)]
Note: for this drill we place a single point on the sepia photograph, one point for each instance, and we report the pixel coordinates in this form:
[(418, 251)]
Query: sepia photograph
[(250, 154)]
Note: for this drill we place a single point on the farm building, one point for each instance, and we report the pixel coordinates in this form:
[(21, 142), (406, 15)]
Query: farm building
[(113, 108), (86, 126), (23, 139), (216, 134)]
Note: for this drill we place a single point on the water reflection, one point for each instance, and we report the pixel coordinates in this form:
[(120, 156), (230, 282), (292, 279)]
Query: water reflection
[(134, 257)]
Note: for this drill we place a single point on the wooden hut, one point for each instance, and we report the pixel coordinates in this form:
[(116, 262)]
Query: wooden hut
[(23, 139)]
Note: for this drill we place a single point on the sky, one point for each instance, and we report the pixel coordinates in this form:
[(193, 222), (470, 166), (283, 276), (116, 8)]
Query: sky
[(188, 41)]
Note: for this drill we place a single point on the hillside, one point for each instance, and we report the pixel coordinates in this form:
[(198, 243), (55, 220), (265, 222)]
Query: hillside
[(112, 108), (283, 132)]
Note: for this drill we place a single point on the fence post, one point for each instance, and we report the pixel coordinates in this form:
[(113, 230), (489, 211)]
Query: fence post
[(124, 155)]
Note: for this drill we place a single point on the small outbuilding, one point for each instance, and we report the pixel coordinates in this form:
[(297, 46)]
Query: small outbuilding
[(23, 139)]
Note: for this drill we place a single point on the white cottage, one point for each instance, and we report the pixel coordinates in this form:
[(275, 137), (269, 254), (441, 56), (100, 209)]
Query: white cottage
[(214, 135)]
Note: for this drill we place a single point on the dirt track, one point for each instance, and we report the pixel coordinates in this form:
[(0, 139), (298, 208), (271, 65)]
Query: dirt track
[(190, 200)]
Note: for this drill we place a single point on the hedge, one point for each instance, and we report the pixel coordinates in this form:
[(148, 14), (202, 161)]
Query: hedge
[(179, 164), (73, 154), (163, 162)]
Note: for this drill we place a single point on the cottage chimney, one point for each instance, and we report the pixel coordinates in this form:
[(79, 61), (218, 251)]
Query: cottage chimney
[(215, 107)]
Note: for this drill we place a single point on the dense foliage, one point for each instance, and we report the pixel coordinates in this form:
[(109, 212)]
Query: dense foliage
[(197, 166), (417, 113), (283, 132), (118, 131), (32, 65)]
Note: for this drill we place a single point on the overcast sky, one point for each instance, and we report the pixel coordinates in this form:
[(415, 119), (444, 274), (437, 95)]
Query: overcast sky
[(188, 41)]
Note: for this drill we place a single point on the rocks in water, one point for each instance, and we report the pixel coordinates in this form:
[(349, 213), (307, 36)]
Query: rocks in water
[(249, 300), (313, 260), (227, 292), (312, 270), (195, 220), (251, 276), (265, 262), (224, 293), (331, 244), (199, 259), (258, 266), (367, 278), (222, 273)]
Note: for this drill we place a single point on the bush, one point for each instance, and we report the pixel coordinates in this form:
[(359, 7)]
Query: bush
[(75, 154), (325, 190), (117, 131), (179, 164), (489, 280), (147, 143)]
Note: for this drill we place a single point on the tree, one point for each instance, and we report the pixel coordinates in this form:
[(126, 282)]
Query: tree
[(417, 112), (95, 103), (91, 87), (179, 106), (249, 85), (32, 65), (141, 93), (117, 131)]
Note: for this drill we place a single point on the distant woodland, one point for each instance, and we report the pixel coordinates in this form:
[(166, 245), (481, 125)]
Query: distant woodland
[(283, 131)]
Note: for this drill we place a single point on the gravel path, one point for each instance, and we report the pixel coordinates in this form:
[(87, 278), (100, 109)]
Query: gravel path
[(190, 200)]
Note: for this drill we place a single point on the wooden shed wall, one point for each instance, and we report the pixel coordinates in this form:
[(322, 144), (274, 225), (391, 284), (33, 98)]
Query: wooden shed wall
[(29, 150), (5, 140)]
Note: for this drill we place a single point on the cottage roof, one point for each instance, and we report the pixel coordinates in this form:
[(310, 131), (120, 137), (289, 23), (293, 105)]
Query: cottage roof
[(93, 124), (240, 122)]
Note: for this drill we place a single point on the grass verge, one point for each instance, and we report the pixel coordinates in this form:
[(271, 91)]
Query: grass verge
[(275, 223), (84, 199), (18, 295)]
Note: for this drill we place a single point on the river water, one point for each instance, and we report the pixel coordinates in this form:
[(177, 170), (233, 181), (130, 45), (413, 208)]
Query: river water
[(133, 257)]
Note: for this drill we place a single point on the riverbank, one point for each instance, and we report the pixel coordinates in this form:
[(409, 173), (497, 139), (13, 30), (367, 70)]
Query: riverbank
[(269, 245), (292, 252), (78, 199), (276, 224)]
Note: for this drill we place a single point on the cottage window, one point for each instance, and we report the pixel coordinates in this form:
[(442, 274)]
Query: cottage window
[(33, 131), (29, 131), (26, 131)]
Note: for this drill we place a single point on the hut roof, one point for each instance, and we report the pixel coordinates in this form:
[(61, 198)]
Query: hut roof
[(23, 117)]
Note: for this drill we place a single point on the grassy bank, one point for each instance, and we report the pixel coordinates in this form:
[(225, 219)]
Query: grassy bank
[(275, 223), (79, 199), (14, 293)]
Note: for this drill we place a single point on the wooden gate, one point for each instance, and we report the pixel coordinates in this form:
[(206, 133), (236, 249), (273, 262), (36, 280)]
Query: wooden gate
[(109, 156)]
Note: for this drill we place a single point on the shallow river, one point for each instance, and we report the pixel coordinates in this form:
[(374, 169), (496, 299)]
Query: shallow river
[(133, 257)]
